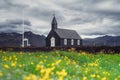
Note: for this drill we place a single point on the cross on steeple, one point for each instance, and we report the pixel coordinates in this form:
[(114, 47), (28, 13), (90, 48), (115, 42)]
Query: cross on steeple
[(54, 14)]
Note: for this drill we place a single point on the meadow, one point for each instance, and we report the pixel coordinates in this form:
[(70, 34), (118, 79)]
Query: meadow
[(59, 65)]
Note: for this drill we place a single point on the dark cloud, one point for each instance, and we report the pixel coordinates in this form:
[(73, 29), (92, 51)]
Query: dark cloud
[(88, 17), (14, 25), (19, 22)]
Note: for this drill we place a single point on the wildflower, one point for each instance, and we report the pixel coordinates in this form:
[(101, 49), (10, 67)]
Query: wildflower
[(106, 73), (5, 66), (16, 59), (46, 72), (39, 67), (61, 74), (10, 58), (31, 63), (27, 78), (30, 77), (72, 49), (44, 60), (83, 53), (20, 65), (33, 77), (58, 61), (44, 78), (116, 79), (20, 52), (84, 78), (40, 62), (42, 71), (1, 51), (98, 76), (73, 62), (1, 74), (119, 64), (104, 78), (92, 75), (93, 64), (57, 52), (13, 64)]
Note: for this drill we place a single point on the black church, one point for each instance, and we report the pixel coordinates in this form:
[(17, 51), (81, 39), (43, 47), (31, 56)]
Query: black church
[(62, 37)]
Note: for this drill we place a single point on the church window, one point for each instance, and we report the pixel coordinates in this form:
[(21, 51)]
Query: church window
[(72, 42), (65, 41), (78, 42), (52, 42)]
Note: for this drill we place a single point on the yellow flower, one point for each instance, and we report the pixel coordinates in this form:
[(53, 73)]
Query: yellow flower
[(27, 78), (1, 51), (42, 71), (106, 73), (40, 62), (119, 64), (13, 64), (46, 72), (73, 62), (58, 61), (20, 65), (16, 59), (1, 74), (31, 63), (104, 78), (116, 79), (60, 78), (33, 77), (84, 78), (30, 77), (83, 53), (39, 67), (5, 66), (93, 64), (98, 76), (92, 75), (61, 74)]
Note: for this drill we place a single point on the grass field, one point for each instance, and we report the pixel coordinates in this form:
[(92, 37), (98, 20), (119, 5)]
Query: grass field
[(59, 65)]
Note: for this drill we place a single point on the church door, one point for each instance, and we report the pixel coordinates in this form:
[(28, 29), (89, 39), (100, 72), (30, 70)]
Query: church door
[(52, 40)]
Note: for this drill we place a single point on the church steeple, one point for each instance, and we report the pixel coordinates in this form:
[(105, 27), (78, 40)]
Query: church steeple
[(54, 23)]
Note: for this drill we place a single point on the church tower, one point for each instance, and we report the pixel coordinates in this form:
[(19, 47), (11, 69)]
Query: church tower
[(54, 23)]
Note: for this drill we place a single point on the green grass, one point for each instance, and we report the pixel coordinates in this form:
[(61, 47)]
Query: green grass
[(59, 65)]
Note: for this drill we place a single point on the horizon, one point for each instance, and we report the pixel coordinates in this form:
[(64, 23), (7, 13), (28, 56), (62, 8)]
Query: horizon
[(88, 20), (85, 37)]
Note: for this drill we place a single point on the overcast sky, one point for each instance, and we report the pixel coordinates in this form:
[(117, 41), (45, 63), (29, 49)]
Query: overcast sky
[(90, 18)]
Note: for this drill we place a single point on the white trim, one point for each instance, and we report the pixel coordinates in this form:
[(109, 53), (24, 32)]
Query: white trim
[(27, 42), (52, 42), (72, 41), (65, 41), (78, 42)]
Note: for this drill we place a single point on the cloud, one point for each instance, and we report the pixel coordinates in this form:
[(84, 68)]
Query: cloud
[(87, 17), (14, 25)]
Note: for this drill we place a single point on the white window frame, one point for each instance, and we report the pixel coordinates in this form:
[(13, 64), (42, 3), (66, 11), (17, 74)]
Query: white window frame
[(78, 42), (65, 41), (25, 40), (52, 42), (72, 41)]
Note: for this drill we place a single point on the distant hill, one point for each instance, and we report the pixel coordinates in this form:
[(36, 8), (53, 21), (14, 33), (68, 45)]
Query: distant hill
[(102, 41), (15, 39)]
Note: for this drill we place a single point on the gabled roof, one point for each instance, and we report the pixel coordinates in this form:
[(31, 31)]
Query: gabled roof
[(69, 34)]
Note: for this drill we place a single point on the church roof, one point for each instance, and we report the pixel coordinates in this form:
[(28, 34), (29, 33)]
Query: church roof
[(69, 34)]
